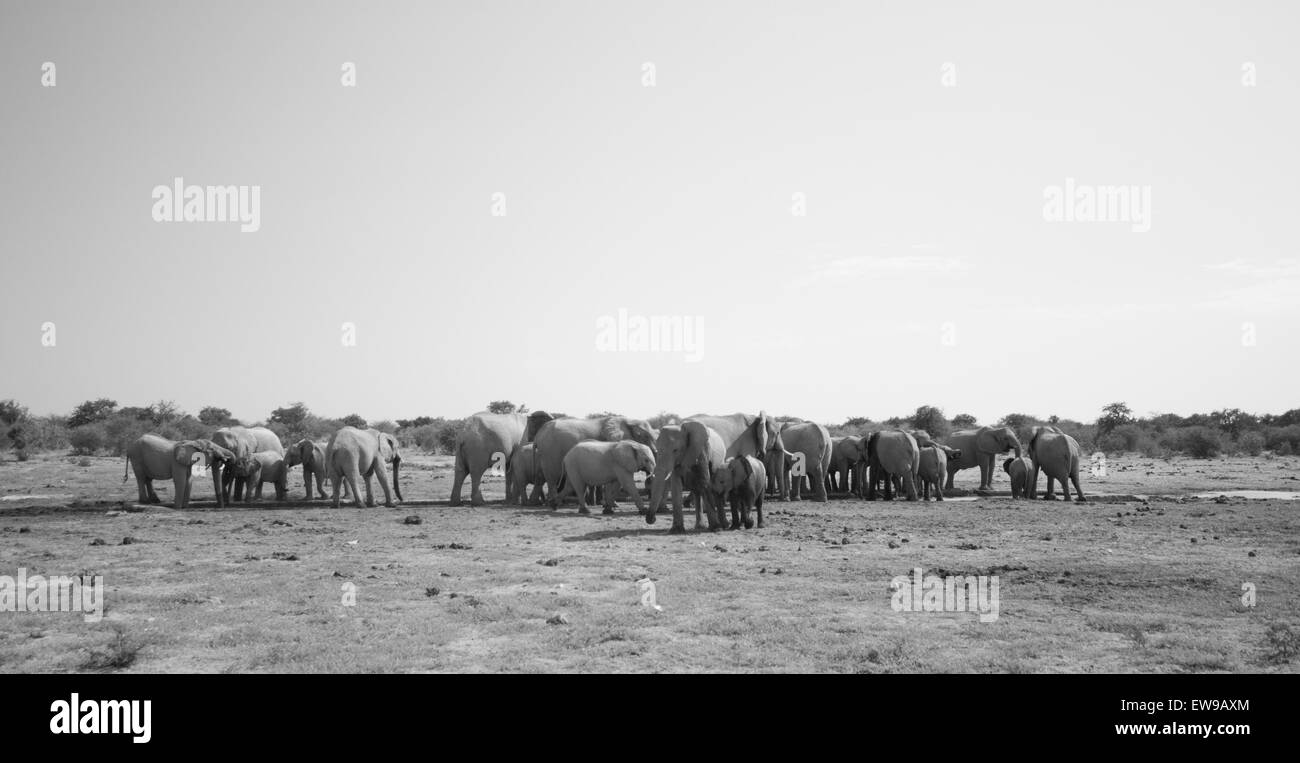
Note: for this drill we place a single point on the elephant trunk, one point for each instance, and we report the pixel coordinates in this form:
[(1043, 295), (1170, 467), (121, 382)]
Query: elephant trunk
[(217, 468), (663, 469)]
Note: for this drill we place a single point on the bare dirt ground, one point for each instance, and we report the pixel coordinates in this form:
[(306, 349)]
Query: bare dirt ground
[(1143, 577)]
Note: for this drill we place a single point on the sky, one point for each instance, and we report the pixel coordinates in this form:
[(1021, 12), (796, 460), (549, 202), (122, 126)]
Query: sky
[(846, 201)]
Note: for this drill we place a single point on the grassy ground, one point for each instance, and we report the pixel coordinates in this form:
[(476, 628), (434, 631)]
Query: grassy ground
[(1117, 584)]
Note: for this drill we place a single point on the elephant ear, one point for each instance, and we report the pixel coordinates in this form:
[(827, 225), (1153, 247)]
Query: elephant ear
[(390, 442), (1034, 432), (535, 421), (1006, 465), (987, 441), (625, 456), (761, 424), (186, 451)]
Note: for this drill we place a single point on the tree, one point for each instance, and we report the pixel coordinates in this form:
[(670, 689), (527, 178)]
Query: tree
[(501, 406), (963, 421), (1113, 415), (857, 422), (1233, 421), (1018, 421), (418, 421), (292, 416), (91, 411), (932, 420), (164, 411), (216, 417), (353, 420)]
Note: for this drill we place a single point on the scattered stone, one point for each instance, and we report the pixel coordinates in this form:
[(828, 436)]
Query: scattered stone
[(1252, 553), (338, 574), (549, 562), (128, 540), (280, 523), (558, 619), (893, 544), (97, 542), (284, 556), (196, 522), (1193, 540), (413, 520), (720, 547), (24, 530), (433, 591)]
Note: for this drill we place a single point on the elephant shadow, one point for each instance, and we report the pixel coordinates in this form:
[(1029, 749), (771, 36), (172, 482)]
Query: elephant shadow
[(627, 532)]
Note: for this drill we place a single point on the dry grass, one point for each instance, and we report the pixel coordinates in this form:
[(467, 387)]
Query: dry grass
[(1111, 585)]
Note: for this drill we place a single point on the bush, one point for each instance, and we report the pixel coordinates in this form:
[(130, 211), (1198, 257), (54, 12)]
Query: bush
[(1197, 442), (87, 439), (1284, 449), (1251, 443)]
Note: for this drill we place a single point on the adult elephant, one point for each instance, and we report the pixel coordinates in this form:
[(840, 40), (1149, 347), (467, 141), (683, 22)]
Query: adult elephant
[(1056, 454), (892, 454), (362, 453), (980, 447), (846, 457), (812, 442), (556, 437), (488, 439), (156, 458), (688, 456), (243, 442), (742, 434)]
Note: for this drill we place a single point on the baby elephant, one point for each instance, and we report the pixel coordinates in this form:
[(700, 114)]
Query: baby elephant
[(608, 464), (264, 466), (1019, 470), (743, 480), (934, 468), (312, 457)]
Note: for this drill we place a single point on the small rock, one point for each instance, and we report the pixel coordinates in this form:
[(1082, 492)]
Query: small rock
[(128, 540), (284, 556), (1193, 540), (97, 542), (433, 591), (413, 520), (549, 562), (720, 547), (893, 544), (23, 530), (558, 619)]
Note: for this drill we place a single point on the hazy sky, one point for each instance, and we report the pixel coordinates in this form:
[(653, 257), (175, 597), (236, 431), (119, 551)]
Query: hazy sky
[(921, 135)]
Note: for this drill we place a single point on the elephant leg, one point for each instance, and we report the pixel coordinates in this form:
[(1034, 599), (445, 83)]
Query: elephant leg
[(149, 491), (819, 486), (179, 478), (609, 494), (381, 475), (476, 489), (457, 482), (580, 490), (351, 475), (938, 488), (736, 500)]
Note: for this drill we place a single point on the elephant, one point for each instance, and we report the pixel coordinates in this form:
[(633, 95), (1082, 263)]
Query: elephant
[(892, 453), (687, 456), (555, 437), (979, 447), (490, 439), (1019, 470), (242, 442), (741, 479), (813, 442), (312, 457), (777, 464), (612, 464), (266, 466), (355, 453), (1057, 454), (933, 467), (742, 434), (156, 458), (524, 471), (845, 472)]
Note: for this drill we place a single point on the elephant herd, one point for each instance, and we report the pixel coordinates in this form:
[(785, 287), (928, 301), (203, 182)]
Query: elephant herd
[(738, 458)]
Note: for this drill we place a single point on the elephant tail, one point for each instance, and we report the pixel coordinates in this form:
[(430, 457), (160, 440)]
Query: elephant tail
[(126, 467), (462, 463)]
